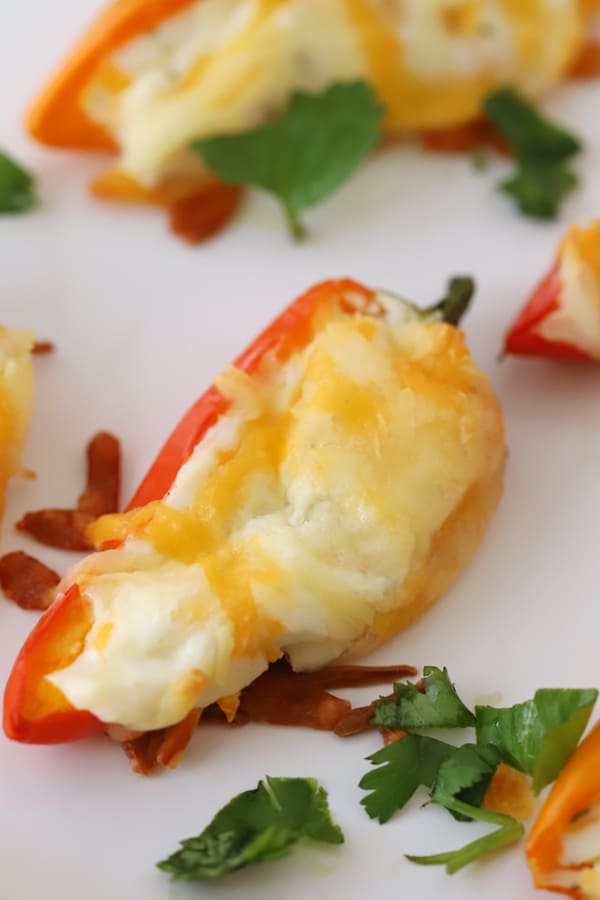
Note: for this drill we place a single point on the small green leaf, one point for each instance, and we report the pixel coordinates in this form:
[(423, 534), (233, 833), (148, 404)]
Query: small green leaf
[(542, 149), (306, 153), (533, 137), (256, 826), (17, 187), (539, 188), (439, 707), (460, 786), (538, 736), (403, 767), (466, 775)]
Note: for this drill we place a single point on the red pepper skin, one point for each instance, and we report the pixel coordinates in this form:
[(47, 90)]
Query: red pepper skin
[(29, 715), (523, 338), (576, 789), (287, 332)]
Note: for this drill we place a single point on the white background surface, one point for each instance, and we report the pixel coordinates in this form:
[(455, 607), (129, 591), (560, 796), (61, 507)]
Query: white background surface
[(142, 323)]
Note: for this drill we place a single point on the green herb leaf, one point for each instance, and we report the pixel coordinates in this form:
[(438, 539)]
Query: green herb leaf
[(539, 188), (304, 155), (460, 786), (16, 187), (256, 826), (466, 775), (532, 136), (538, 736), (403, 767), (542, 149), (439, 707)]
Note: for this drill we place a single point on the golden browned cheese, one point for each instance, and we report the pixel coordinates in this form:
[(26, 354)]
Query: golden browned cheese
[(215, 68), (16, 400), (336, 500)]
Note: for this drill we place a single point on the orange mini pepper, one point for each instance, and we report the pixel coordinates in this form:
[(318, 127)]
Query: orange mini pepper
[(561, 319), (572, 806), (57, 118)]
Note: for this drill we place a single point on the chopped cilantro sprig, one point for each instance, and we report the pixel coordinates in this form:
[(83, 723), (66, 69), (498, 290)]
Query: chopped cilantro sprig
[(542, 149), (17, 186), (306, 153), (536, 737), (256, 826)]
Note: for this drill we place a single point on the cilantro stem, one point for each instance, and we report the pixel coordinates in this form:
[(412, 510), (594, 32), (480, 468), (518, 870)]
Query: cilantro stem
[(297, 229), (509, 832), (454, 305)]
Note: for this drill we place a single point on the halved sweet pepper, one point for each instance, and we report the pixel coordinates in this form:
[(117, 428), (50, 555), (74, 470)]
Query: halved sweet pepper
[(279, 534), (563, 848), (35, 711), (150, 77), (561, 320), (57, 117)]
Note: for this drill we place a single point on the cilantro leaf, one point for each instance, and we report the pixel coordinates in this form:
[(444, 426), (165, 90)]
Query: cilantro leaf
[(466, 774), (404, 766), (306, 153), (16, 187), (256, 826), (542, 149), (532, 136), (538, 736), (439, 707), (539, 188)]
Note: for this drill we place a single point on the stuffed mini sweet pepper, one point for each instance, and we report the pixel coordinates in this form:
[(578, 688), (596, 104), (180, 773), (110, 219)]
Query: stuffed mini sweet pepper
[(149, 79), (16, 400), (317, 499), (561, 319), (563, 849)]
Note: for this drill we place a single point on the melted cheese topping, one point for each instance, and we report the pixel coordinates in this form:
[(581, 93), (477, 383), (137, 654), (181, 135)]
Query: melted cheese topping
[(295, 520), (577, 319), (16, 400), (580, 857), (223, 66)]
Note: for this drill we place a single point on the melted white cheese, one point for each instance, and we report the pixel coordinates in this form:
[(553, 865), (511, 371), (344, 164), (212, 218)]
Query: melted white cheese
[(223, 66), (577, 320), (580, 857), (370, 468)]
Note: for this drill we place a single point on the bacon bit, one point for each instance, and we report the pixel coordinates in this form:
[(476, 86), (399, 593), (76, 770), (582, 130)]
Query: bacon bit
[(282, 697), (142, 751), (358, 720), (279, 696), (301, 699), (64, 529), (176, 740), (587, 64), (510, 792), (466, 138), (101, 494), (391, 735), (354, 676), (163, 747), (26, 581), (202, 215), (40, 348)]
